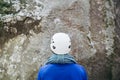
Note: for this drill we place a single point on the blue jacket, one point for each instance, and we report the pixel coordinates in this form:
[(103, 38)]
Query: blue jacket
[(65, 71)]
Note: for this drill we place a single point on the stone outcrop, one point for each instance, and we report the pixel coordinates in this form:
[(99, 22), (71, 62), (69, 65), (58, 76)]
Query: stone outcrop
[(25, 36), (116, 57)]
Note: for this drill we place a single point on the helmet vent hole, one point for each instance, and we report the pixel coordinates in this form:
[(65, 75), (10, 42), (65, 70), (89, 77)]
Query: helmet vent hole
[(54, 47), (69, 46)]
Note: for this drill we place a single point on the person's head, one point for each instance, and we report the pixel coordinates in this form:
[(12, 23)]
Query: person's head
[(60, 43)]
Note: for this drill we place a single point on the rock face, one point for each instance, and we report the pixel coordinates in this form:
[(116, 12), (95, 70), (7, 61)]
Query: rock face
[(116, 58), (25, 36)]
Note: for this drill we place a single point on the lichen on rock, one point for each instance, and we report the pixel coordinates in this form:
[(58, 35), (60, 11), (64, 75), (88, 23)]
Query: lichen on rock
[(25, 36)]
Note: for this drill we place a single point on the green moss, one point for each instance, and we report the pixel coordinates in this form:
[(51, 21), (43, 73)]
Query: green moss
[(1, 24), (1, 28), (22, 1), (6, 8)]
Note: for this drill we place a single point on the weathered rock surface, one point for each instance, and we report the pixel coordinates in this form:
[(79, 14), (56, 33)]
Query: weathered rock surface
[(116, 57), (25, 36)]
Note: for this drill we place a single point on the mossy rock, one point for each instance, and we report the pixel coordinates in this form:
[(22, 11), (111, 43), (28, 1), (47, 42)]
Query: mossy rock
[(6, 8), (1, 24)]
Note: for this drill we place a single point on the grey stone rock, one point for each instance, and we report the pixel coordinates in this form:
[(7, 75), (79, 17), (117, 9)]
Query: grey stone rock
[(25, 37)]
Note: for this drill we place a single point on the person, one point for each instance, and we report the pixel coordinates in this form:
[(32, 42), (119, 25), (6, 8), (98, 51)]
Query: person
[(61, 65)]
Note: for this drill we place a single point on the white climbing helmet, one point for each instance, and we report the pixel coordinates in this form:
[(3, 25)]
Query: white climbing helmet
[(60, 43)]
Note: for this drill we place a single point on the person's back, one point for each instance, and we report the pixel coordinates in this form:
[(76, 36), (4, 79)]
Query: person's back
[(62, 72), (61, 65)]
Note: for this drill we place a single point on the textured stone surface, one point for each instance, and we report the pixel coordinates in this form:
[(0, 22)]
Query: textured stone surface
[(102, 33), (116, 57), (25, 36)]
